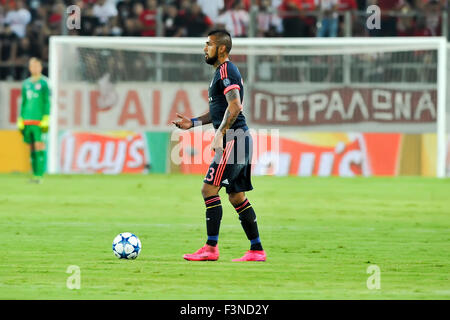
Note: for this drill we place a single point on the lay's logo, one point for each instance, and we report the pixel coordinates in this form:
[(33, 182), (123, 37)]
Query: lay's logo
[(86, 152)]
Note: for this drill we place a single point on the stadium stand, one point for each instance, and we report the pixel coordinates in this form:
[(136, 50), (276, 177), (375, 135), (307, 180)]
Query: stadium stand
[(26, 26)]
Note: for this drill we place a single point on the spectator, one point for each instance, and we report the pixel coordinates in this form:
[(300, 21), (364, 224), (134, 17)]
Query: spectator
[(388, 22), (24, 53), (328, 24), (421, 4), (181, 21), (89, 22), (128, 17), (55, 18), (196, 23), (2, 15), (104, 10), (18, 18), (362, 4), (8, 51), (429, 24), (433, 17), (26, 25), (133, 26), (116, 29), (34, 5), (276, 3), (309, 5), (211, 8), (184, 6), (293, 24), (406, 25), (103, 30), (269, 23), (347, 5), (124, 11), (36, 35), (173, 22), (308, 10), (236, 20), (357, 22), (148, 19), (229, 4), (39, 19)]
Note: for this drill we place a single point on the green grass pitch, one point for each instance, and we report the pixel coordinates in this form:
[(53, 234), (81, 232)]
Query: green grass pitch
[(320, 235)]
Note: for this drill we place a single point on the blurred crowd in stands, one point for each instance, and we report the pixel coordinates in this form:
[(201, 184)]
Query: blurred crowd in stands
[(26, 25)]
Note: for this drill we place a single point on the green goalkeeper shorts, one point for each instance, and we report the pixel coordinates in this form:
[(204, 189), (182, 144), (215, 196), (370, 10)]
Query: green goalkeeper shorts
[(32, 133)]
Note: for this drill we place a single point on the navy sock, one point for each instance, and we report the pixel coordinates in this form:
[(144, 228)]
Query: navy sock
[(248, 221), (213, 218)]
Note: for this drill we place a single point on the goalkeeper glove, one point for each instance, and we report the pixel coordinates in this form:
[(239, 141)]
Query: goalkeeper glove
[(20, 124), (44, 123)]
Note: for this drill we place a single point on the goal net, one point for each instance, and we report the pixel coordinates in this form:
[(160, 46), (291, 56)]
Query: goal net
[(338, 104)]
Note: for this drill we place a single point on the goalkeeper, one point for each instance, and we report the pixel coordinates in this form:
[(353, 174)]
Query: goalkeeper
[(34, 116)]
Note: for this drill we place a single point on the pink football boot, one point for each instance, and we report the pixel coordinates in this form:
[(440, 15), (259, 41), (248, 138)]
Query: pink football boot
[(205, 253), (253, 255)]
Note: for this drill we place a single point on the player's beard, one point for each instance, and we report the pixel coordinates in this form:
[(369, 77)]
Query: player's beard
[(212, 60)]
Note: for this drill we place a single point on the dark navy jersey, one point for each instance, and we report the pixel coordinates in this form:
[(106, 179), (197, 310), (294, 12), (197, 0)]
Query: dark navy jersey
[(226, 78)]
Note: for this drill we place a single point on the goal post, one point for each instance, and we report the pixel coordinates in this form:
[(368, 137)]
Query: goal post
[(53, 126), (442, 136), (385, 68)]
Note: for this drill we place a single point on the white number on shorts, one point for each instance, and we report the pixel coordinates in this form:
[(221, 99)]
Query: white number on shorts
[(211, 174)]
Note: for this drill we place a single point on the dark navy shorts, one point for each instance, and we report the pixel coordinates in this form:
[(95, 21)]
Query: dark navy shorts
[(232, 167)]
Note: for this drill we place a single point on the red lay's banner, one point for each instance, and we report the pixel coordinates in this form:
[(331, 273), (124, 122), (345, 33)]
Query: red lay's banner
[(86, 152), (307, 154)]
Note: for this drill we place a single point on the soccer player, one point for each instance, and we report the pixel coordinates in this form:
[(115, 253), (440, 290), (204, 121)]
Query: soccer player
[(232, 145), (34, 116)]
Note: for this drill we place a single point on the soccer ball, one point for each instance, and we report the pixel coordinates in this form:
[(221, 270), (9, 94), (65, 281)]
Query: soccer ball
[(126, 246)]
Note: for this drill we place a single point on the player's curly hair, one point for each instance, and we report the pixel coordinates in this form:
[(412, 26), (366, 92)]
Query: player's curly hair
[(223, 38)]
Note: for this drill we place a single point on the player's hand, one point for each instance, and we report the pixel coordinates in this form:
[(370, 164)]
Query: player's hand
[(217, 143), (183, 122), (44, 123), (20, 124)]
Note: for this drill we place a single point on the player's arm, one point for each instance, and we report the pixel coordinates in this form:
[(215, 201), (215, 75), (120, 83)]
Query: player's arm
[(230, 116), (46, 102), (232, 111), (45, 108), (185, 123)]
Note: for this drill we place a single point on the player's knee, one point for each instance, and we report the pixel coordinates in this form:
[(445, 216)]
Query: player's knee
[(39, 146), (209, 190), (236, 198)]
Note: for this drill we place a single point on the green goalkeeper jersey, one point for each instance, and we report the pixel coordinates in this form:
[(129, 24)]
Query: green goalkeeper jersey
[(35, 99)]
